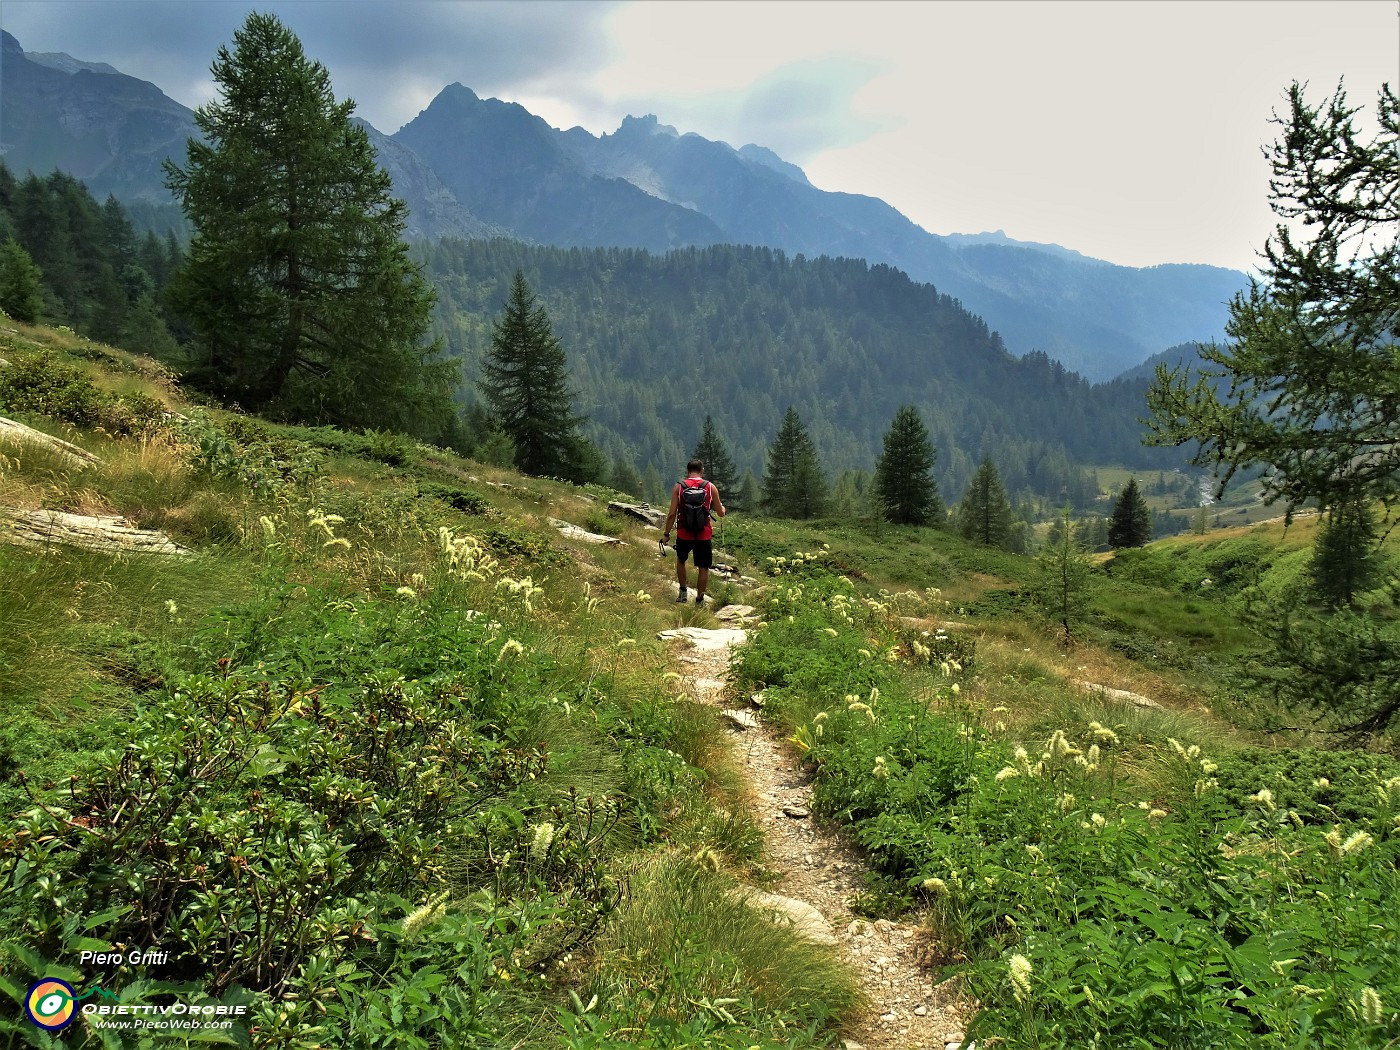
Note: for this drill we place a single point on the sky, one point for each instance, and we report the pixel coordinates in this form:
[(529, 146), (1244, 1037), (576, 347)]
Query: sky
[(1129, 130)]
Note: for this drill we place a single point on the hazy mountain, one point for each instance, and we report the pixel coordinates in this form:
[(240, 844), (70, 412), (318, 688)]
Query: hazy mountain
[(1172, 357), (1095, 317), (511, 168), (110, 130), (432, 209), (114, 132), (474, 167)]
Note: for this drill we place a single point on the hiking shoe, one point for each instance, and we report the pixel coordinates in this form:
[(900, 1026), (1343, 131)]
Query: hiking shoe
[(681, 598), (699, 599)]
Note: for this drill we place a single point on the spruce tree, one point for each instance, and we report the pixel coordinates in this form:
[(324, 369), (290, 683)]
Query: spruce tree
[(904, 485), (1131, 523), (793, 484), (524, 379), (984, 514), (1346, 560), (297, 284), (719, 467), (747, 498), (21, 284)]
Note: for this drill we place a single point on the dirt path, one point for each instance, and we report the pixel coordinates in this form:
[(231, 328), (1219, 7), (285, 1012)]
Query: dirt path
[(818, 867)]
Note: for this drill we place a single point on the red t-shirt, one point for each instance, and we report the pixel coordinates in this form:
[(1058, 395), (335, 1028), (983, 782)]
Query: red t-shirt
[(709, 530)]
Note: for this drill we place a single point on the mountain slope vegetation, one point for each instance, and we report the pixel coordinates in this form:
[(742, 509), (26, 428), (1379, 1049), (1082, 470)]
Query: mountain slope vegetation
[(656, 343), (376, 642)]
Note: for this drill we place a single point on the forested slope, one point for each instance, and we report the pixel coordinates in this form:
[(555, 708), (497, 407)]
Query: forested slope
[(656, 342)]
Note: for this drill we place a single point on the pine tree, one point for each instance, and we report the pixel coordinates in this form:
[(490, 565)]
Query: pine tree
[(524, 379), (297, 284), (793, 484), (1131, 523), (21, 284), (904, 485), (984, 514), (719, 467)]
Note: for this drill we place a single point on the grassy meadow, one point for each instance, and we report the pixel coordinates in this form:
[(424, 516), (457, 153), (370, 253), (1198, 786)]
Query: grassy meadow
[(386, 761)]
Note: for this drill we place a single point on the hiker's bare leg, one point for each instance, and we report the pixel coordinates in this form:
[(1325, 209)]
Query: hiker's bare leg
[(680, 573), (702, 577)]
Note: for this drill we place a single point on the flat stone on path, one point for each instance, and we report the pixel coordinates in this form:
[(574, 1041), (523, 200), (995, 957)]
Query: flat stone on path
[(743, 719), (707, 638), (736, 612)]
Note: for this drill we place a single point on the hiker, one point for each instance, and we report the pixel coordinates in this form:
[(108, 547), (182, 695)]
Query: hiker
[(693, 501)]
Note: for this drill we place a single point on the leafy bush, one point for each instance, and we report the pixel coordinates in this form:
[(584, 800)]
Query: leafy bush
[(264, 821), (464, 500), (1212, 912), (1323, 788), (42, 383)]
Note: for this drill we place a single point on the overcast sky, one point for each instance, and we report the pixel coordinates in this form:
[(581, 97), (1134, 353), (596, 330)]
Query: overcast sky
[(1130, 131)]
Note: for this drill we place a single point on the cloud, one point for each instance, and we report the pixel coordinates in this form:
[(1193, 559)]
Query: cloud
[(391, 58)]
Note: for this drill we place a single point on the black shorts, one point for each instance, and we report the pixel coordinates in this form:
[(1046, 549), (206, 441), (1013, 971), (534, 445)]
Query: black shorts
[(704, 552)]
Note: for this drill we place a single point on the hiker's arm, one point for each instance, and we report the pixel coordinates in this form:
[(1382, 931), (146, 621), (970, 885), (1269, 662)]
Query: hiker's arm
[(719, 504), (671, 514)]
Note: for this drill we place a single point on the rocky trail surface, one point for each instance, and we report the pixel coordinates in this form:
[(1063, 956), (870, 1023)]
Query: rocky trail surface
[(820, 873)]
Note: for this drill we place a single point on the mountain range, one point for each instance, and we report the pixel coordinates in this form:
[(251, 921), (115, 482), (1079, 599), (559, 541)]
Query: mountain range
[(470, 167)]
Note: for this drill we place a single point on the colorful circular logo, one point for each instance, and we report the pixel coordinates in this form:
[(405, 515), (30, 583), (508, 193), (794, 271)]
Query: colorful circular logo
[(50, 1003)]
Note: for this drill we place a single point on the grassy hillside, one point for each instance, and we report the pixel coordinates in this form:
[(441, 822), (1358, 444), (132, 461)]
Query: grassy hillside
[(386, 760)]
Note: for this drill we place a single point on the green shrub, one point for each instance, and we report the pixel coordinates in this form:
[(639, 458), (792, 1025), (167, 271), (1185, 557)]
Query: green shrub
[(1322, 787), (464, 500), (43, 384)]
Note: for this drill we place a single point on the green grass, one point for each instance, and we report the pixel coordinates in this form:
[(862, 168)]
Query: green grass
[(583, 728)]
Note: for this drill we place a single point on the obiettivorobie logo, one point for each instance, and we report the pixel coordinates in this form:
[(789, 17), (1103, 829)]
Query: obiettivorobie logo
[(52, 1005)]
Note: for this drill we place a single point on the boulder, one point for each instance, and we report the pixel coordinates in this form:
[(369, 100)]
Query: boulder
[(43, 528), (643, 512), (21, 434), (573, 532)]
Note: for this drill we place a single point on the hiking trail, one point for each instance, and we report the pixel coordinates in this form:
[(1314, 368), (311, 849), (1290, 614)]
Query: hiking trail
[(820, 872)]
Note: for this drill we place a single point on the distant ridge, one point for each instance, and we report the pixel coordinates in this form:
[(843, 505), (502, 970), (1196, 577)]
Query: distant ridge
[(473, 167)]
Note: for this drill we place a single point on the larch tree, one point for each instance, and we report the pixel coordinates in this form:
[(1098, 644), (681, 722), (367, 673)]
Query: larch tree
[(904, 484), (297, 284), (525, 381), (1306, 391)]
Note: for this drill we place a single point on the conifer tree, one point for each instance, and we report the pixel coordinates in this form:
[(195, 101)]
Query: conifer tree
[(297, 284), (1061, 580), (21, 284), (1346, 560), (748, 497), (984, 514), (793, 484), (1131, 523), (904, 484), (624, 477), (524, 379), (719, 467)]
